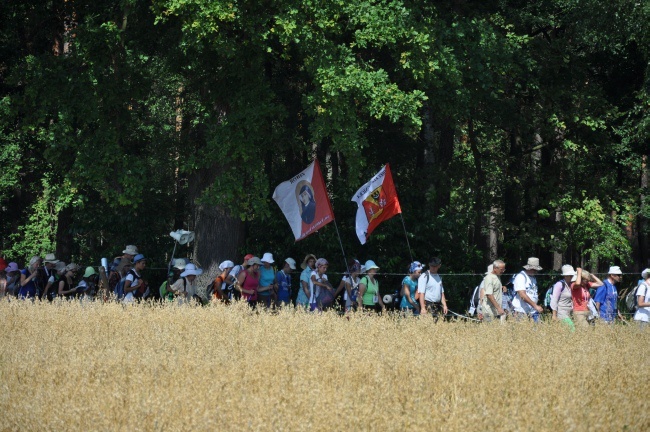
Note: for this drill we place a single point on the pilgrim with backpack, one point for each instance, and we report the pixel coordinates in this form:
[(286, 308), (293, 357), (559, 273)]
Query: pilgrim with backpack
[(560, 298), (185, 288), (642, 294)]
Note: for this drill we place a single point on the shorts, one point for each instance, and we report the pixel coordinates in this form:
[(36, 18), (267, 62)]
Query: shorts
[(435, 309)]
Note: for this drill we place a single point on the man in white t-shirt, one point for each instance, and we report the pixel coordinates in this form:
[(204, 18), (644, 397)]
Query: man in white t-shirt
[(525, 301), (642, 294), (431, 291)]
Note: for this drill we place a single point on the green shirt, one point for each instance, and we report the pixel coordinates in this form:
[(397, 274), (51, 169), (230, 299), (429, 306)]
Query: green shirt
[(372, 290)]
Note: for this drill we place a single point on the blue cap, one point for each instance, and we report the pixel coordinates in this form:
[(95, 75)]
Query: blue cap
[(138, 257)]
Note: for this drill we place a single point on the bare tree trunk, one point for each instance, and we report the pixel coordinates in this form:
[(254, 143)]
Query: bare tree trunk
[(480, 183), (557, 256), (64, 234), (643, 235), (493, 244), (428, 135), (219, 237)]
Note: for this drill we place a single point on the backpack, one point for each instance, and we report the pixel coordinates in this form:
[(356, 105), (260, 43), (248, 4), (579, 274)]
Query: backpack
[(119, 289), (632, 298), (474, 301), (549, 294), (140, 292), (164, 294), (211, 290)]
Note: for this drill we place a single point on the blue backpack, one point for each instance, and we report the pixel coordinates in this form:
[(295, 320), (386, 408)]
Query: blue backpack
[(119, 289)]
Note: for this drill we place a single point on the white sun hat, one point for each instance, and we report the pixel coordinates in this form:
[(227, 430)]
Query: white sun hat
[(268, 257), (615, 270), (567, 270), (191, 269), (226, 264)]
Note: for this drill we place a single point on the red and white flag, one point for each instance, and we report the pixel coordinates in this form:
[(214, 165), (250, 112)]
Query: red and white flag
[(377, 201), (304, 201)]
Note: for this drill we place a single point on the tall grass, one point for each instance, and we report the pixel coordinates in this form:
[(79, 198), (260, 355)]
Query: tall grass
[(68, 366)]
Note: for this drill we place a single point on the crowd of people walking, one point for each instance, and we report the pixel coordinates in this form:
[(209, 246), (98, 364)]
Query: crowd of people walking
[(577, 298)]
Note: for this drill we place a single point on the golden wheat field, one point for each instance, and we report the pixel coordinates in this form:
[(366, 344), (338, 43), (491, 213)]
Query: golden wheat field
[(72, 366)]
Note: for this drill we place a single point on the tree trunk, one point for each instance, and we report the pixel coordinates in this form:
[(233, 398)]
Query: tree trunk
[(480, 183), (557, 256), (644, 236), (64, 234), (218, 237), (445, 156), (493, 245)]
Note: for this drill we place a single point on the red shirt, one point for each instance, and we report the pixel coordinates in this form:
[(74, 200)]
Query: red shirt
[(251, 282), (580, 296)]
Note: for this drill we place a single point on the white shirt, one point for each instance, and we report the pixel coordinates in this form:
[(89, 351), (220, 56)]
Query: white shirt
[(431, 285), (235, 271), (643, 313), (185, 287), (135, 282), (315, 289), (524, 282), (353, 285)]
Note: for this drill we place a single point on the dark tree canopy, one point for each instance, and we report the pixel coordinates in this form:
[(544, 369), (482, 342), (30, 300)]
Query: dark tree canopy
[(512, 128)]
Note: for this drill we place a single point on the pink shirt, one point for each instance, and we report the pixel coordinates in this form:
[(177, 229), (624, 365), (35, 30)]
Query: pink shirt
[(251, 282), (580, 296)]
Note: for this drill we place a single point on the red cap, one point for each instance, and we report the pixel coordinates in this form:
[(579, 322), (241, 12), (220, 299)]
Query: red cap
[(248, 256), (3, 264)]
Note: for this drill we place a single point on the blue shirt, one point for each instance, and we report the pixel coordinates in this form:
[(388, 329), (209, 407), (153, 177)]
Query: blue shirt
[(607, 296), (302, 298), (29, 290), (267, 277), (284, 286), (413, 287)]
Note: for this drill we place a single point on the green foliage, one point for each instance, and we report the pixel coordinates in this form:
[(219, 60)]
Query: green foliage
[(527, 121)]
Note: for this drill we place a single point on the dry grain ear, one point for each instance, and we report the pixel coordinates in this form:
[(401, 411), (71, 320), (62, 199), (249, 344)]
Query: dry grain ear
[(233, 368)]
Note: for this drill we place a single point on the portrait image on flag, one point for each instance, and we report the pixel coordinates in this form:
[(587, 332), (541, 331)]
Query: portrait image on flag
[(304, 201), (377, 201)]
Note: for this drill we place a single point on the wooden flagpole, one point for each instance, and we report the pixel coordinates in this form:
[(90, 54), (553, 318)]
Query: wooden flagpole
[(407, 237)]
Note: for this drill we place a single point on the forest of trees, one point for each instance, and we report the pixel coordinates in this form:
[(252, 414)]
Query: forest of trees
[(513, 128)]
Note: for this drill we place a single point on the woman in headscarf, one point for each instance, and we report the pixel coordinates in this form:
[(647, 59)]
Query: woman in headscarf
[(317, 282), (28, 277), (12, 279), (409, 287)]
